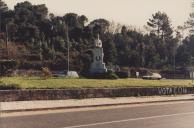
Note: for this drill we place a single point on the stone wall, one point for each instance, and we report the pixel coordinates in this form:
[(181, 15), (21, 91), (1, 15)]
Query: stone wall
[(25, 95)]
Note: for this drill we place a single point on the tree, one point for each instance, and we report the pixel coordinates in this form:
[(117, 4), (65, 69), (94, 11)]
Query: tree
[(114, 27), (45, 35), (74, 20), (99, 26), (3, 6), (189, 24), (110, 52), (3, 9), (25, 12), (29, 19), (82, 20), (160, 25), (166, 44), (76, 25), (183, 57)]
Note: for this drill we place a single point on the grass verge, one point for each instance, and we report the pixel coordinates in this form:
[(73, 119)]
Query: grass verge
[(64, 83)]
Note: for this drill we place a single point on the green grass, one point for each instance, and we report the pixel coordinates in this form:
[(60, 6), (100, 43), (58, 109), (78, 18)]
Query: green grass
[(59, 83)]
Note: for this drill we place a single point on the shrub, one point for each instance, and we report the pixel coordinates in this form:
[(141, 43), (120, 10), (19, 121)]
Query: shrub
[(122, 74), (31, 65), (108, 75), (46, 73), (111, 76), (7, 66), (29, 73)]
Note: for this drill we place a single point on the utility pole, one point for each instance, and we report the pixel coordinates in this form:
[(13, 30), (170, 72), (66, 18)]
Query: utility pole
[(67, 36), (0, 20), (7, 40), (174, 62)]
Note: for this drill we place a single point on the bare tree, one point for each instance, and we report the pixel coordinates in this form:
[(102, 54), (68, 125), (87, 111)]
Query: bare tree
[(114, 27)]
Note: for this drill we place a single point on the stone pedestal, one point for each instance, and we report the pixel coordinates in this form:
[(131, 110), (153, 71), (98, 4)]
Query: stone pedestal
[(98, 66)]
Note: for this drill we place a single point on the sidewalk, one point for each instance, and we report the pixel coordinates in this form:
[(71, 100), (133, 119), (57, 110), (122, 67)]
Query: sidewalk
[(64, 104)]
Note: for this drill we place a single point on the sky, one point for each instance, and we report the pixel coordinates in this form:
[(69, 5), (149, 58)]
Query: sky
[(128, 12)]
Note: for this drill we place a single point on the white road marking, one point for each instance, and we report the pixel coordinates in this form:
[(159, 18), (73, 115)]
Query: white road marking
[(128, 120)]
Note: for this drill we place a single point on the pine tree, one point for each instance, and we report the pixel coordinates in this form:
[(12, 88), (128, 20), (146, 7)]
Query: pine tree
[(160, 25)]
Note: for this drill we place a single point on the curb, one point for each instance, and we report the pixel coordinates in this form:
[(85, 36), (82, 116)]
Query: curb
[(93, 106), (85, 93)]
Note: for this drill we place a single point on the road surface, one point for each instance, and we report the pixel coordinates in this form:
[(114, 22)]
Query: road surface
[(160, 115)]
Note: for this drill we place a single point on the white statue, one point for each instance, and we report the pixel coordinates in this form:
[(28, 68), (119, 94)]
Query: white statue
[(98, 42), (98, 65)]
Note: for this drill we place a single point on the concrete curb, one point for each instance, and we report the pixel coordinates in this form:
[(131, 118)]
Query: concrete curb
[(92, 106)]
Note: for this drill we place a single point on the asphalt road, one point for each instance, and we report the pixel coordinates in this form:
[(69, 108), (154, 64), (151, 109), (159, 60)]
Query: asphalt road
[(164, 115)]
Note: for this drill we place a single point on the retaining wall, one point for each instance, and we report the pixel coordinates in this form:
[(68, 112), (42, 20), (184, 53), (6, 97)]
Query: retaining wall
[(62, 94)]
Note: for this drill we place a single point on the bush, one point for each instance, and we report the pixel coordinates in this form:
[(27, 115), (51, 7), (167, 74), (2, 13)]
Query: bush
[(108, 75), (31, 65), (46, 73), (7, 66), (122, 74), (111, 76), (29, 73)]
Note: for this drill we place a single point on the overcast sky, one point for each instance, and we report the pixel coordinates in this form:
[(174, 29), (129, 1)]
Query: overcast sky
[(130, 12)]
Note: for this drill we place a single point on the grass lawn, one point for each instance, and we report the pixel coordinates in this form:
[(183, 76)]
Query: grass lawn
[(58, 83)]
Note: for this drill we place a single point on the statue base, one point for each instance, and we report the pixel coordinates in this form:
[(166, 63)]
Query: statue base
[(98, 66)]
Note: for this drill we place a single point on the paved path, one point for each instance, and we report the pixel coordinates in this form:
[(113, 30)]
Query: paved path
[(159, 115), (38, 105)]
